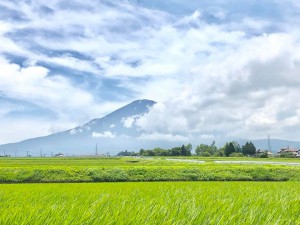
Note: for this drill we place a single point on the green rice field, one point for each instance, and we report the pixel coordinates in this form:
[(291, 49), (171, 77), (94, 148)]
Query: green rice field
[(75, 170), (77, 162), (151, 203), (117, 191)]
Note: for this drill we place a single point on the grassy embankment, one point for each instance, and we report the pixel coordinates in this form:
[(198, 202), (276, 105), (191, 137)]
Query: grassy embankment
[(151, 203), (26, 170)]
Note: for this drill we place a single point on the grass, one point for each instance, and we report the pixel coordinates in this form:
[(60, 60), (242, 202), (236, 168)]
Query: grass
[(120, 161), (271, 159), (146, 202), (29, 170), (151, 203)]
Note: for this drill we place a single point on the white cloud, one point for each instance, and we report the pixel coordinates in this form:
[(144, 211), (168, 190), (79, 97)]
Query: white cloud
[(76, 130), (163, 137), (207, 136), (236, 92), (32, 84), (105, 134), (55, 94), (71, 62), (295, 3), (128, 122), (234, 77), (73, 131), (19, 129)]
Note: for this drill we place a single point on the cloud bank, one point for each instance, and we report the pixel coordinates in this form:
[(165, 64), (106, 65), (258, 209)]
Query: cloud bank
[(217, 69)]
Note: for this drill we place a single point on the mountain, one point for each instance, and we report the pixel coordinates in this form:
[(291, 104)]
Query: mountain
[(113, 133), (275, 144)]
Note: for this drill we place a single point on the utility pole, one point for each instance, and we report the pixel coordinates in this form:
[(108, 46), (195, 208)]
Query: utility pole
[(41, 152), (3, 152), (27, 154), (96, 149), (269, 143)]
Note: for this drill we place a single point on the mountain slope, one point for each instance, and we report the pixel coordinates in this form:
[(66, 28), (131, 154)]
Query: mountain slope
[(276, 144), (114, 132)]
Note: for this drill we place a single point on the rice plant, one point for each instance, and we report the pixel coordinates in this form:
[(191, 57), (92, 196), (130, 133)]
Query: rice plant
[(151, 203)]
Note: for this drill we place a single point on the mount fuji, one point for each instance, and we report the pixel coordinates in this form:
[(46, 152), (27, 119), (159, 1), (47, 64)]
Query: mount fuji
[(111, 134)]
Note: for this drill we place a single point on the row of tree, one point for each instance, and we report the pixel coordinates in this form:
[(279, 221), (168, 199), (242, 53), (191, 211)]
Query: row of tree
[(184, 150), (229, 149)]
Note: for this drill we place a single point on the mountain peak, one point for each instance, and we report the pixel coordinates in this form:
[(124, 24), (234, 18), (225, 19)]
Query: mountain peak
[(140, 101), (136, 107), (110, 132)]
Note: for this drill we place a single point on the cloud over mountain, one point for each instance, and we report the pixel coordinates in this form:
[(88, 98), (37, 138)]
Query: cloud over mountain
[(222, 68)]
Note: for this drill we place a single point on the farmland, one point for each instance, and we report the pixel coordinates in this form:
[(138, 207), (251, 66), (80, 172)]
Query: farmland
[(117, 191), (51, 170), (151, 203)]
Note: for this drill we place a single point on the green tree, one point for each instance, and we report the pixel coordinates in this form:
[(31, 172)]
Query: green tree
[(219, 152), (150, 153), (206, 150), (176, 151), (229, 149), (252, 148), (249, 149), (213, 148), (142, 152), (202, 150), (185, 151), (160, 152), (236, 154), (126, 153), (287, 155), (189, 148), (237, 147)]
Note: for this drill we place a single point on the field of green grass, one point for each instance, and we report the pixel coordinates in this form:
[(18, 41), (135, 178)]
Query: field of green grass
[(151, 203), (211, 159), (36, 170), (121, 161), (42, 195)]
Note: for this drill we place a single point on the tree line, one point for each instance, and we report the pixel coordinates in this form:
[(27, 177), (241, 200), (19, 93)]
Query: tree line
[(184, 150), (232, 149)]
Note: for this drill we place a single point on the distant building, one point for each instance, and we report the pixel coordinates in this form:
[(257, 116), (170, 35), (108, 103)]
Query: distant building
[(59, 155), (295, 152), (261, 153)]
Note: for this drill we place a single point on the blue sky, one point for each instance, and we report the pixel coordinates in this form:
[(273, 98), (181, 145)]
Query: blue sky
[(217, 68)]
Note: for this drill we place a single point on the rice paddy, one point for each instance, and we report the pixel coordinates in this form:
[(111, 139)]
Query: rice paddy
[(62, 170), (106, 191), (151, 203)]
